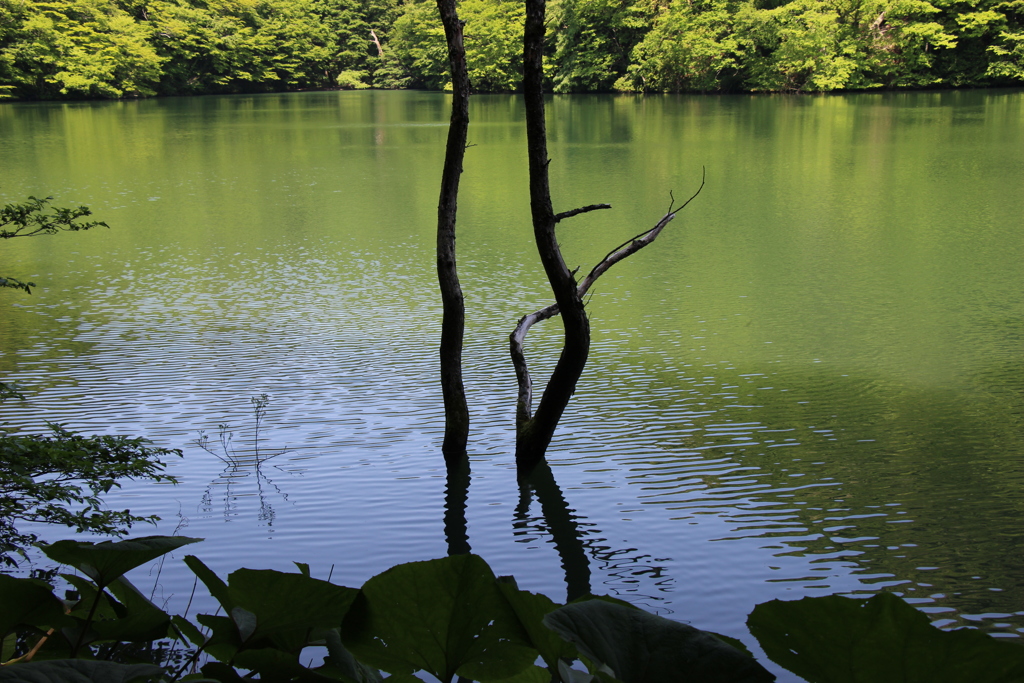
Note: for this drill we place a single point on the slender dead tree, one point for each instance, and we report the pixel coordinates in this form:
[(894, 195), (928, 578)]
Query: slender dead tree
[(534, 429), (453, 323)]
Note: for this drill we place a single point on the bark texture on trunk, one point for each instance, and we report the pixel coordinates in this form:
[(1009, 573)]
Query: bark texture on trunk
[(453, 324), (533, 433)]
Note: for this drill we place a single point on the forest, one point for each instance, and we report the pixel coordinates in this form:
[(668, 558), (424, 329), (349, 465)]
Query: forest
[(89, 49)]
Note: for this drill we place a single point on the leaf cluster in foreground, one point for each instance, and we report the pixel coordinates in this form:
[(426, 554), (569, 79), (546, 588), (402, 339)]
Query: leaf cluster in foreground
[(450, 618)]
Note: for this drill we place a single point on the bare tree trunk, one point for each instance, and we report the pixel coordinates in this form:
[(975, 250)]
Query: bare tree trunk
[(533, 434), (376, 41), (453, 324), (535, 429)]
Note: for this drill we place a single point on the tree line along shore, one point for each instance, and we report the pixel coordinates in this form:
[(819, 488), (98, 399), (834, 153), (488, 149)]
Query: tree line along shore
[(88, 49)]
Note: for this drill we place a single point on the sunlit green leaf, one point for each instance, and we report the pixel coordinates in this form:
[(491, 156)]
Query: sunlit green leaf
[(834, 639), (640, 647)]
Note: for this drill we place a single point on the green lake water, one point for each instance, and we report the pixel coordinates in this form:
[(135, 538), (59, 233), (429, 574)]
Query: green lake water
[(812, 383)]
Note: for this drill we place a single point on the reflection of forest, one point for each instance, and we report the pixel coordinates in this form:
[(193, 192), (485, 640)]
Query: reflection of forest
[(919, 487)]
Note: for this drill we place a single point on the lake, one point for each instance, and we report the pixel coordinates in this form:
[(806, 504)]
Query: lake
[(813, 382)]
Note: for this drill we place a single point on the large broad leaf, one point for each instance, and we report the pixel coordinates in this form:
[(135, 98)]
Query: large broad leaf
[(142, 620), (340, 660), (106, 561), (213, 583), (842, 640), (530, 609), (27, 601), (286, 604), (272, 607), (79, 671), (443, 616), (224, 641), (274, 665), (640, 647)]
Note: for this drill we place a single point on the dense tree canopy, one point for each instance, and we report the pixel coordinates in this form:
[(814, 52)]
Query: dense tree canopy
[(130, 48)]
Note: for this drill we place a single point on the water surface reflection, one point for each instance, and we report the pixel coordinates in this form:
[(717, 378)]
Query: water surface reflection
[(812, 384)]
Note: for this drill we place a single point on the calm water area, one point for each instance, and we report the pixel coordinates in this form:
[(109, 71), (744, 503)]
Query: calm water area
[(813, 382)]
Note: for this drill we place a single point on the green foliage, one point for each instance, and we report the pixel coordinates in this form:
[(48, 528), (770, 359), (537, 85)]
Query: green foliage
[(33, 218), (593, 40), (76, 48), (692, 46), (418, 47), (813, 45), (352, 80), (59, 479), (494, 31), (131, 48), (451, 617), (494, 37), (1004, 25)]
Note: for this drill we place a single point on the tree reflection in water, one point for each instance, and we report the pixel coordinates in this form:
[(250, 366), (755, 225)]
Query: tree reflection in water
[(575, 539)]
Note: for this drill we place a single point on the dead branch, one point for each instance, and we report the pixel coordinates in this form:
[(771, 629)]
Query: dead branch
[(524, 402), (376, 41), (576, 212)]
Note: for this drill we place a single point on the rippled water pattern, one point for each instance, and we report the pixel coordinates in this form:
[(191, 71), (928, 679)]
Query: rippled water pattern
[(811, 384)]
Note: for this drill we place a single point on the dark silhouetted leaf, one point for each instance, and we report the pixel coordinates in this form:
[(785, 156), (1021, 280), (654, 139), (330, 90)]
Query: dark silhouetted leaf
[(213, 583), (188, 630), (284, 602), (444, 616), (530, 609), (640, 647), (142, 620), (106, 561), (78, 671), (267, 607), (881, 640), (345, 664), (27, 601)]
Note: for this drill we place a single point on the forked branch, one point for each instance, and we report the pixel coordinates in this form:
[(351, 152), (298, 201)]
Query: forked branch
[(524, 402)]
